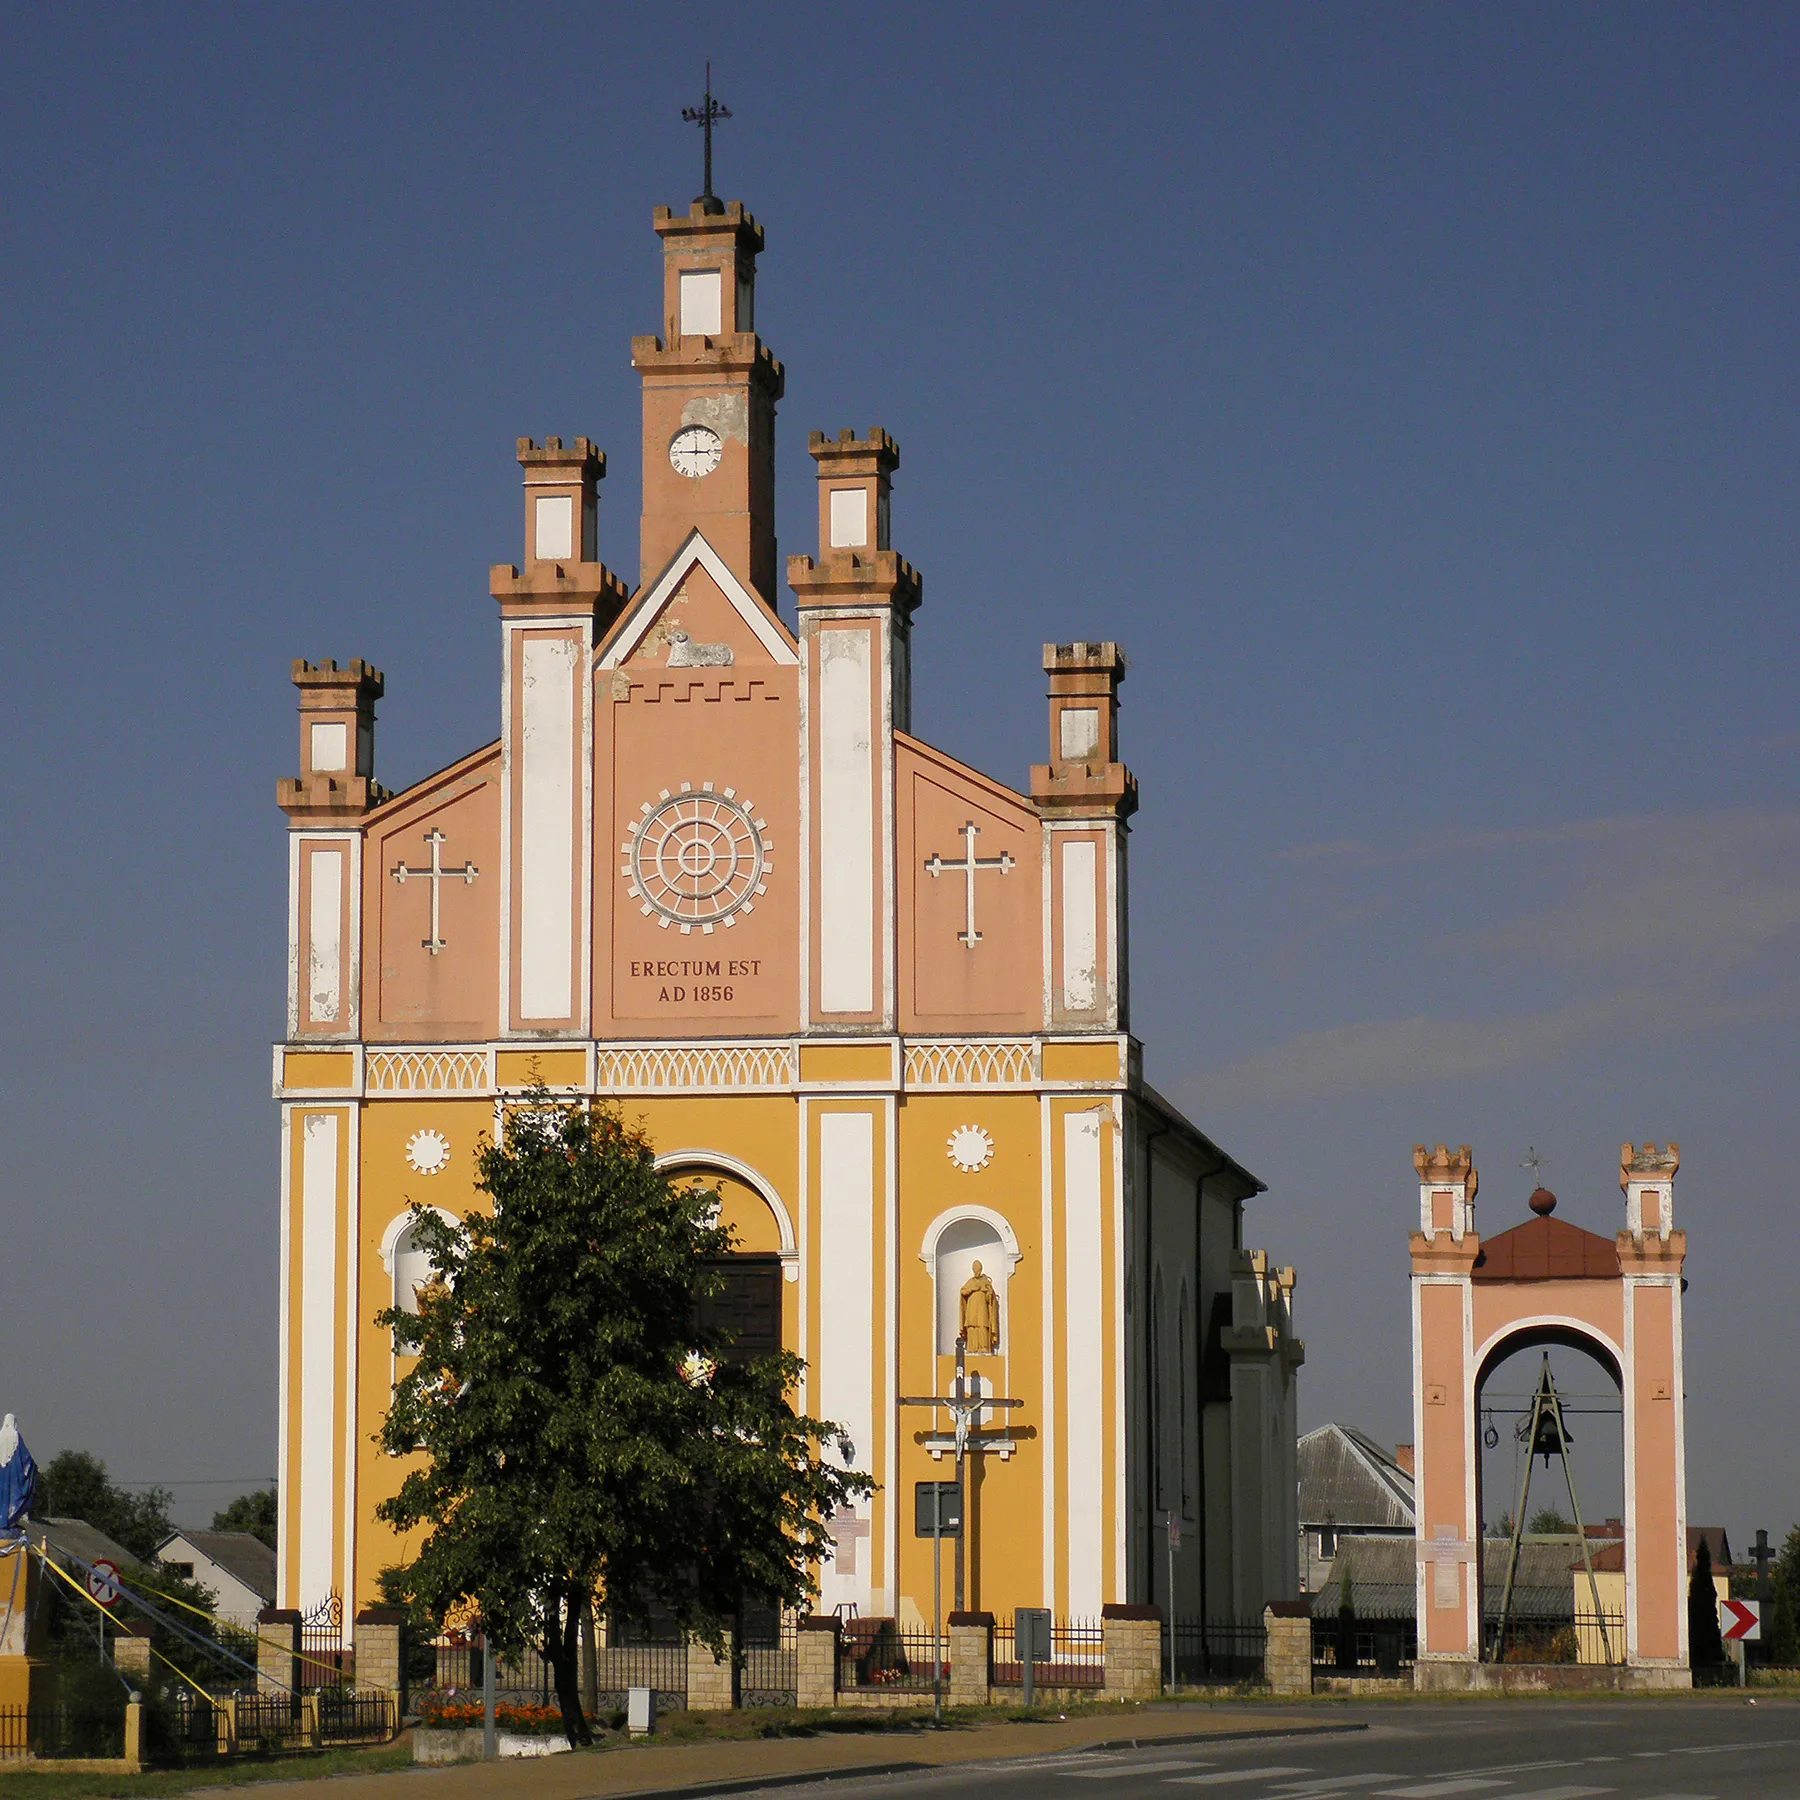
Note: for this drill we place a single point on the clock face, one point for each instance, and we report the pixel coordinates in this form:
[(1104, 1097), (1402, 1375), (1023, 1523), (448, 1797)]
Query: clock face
[(695, 451)]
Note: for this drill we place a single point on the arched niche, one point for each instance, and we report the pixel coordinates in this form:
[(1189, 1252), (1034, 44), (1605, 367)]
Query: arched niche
[(955, 1241), (405, 1260)]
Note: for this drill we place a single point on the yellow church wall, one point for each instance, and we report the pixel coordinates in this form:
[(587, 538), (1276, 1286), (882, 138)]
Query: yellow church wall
[(1097, 1061), (871, 1063), (1005, 1560), (312, 1069), (390, 1186), (554, 1068)]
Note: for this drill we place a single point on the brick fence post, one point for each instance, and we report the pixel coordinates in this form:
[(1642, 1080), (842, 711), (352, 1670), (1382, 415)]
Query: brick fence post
[(816, 1660), (712, 1681), (278, 1650), (380, 1650), (971, 1657), (134, 1736), (1287, 1655), (1133, 1638)]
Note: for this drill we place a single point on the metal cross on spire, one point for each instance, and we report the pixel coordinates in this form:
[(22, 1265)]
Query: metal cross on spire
[(1536, 1164), (703, 115)]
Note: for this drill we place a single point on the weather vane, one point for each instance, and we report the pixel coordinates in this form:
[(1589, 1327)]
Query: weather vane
[(1536, 1164), (703, 115)]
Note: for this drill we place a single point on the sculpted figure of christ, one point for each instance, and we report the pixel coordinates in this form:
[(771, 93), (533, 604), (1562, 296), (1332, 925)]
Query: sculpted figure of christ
[(980, 1314)]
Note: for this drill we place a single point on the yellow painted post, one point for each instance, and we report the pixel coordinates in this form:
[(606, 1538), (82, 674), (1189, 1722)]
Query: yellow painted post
[(134, 1736), (309, 1721)]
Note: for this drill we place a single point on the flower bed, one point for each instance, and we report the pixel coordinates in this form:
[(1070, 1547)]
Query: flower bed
[(458, 1712)]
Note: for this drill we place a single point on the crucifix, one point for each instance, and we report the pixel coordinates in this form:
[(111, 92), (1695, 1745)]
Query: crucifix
[(1536, 1164), (965, 1403), (435, 874), (970, 866), (703, 115)]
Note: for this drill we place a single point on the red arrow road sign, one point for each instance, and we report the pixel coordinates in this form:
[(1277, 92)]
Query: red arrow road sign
[(1742, 1621)]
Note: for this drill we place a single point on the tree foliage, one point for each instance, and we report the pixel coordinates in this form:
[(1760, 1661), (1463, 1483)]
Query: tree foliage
[(75, 1485), (255, 1513), (1780, 1631), (581, 1433), (1547, 1521), (1706, 1645)]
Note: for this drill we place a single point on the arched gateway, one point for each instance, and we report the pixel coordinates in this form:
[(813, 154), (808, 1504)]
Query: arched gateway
[(1548, 1282)]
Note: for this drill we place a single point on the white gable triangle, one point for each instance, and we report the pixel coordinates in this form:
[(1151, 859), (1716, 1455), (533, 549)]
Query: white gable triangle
[(750, 609)]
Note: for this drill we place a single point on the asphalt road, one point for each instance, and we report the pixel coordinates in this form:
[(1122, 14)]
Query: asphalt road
[(1666, 1749)]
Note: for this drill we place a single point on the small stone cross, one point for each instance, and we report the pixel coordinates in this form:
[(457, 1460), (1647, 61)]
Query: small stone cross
[(845, 1529), (968, 868), (435, 874)]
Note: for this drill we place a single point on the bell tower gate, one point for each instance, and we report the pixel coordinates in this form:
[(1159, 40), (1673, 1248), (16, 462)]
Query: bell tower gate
[(1474, 1303)]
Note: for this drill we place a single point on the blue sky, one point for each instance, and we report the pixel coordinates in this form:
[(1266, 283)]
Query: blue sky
[(1411, 390)]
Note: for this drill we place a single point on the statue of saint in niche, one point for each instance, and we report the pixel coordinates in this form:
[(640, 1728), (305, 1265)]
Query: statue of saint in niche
[(980, 1316)]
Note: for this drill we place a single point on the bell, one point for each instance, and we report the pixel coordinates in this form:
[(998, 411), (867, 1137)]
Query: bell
[(1550, 1439)]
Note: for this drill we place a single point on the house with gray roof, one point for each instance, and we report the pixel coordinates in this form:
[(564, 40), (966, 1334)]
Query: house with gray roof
[(1349, 1485), (238, 1568)]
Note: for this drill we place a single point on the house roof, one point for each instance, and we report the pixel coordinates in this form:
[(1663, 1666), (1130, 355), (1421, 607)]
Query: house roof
[(1546, 1249), (1384, 1579), (1611, 1558), (238, 1553), (62, 1538), (1348, 1480)]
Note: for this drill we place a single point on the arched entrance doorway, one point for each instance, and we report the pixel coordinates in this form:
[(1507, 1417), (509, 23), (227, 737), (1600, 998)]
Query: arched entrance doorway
[(1546, 1282), (751, 1303)]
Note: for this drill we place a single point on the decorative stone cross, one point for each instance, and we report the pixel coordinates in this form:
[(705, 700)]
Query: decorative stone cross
[(970, 866), (845, 1529), (435, 874)]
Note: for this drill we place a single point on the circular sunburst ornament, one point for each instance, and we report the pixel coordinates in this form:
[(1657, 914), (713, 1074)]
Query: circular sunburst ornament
[(428, 1152), (696, 858), (971, 1148)]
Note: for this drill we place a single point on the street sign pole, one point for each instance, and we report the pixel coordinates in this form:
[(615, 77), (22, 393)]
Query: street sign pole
[(1174, 1545), (937, 1599), (490, 1748)]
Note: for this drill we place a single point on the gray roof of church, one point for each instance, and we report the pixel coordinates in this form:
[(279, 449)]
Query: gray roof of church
[(1384, 1584), (1349, 1481), (236, 1552)]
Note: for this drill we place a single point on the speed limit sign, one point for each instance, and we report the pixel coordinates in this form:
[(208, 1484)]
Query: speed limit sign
[(103, 1582)]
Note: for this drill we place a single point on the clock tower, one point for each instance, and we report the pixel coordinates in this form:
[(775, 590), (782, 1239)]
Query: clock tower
[(710, 388)]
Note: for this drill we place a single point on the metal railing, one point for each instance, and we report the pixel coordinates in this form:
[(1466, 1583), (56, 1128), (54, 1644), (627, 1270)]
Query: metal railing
[(62, 1731), (1585, 1637), (1215, 1652), (877, 1653), (771, 1666), (1373, 1647), (1077, 1656), (271, 1722)]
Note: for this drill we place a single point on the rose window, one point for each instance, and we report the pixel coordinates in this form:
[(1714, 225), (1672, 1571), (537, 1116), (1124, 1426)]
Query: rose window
[(697, 858)]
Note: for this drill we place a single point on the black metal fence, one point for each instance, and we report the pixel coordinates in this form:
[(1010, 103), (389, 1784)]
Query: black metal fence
[(349, 1718), (1077, 1656), (271, 1722), (771, 1665), (62, 1731), (877, 1653), (1579, 1638), (1364, 1647), (1215, 1652)]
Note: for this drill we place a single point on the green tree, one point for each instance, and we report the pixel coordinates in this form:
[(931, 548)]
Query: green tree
[(1706, 1647), (580, 1433), (75, 1485), (1548, 1522), (1783, 1639), (255, 1513)]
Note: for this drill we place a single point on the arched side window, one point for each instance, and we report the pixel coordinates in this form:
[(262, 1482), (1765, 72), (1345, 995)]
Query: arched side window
[(748, 1203), (405, 1260), (955, 1242)]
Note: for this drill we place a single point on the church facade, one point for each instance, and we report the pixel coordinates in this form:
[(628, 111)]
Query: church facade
[(879, 999)]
